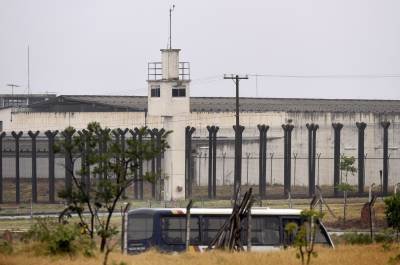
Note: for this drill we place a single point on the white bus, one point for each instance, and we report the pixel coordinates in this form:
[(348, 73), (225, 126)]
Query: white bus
[(165, 228)]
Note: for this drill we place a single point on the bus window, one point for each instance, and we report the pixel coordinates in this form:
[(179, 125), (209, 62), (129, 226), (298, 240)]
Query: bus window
[(140, 227), (264, 230), (211, 226), (319, 236), (289, 239), (173, 230)]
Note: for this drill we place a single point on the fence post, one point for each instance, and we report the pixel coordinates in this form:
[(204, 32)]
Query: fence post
[(272, 157), (187, 241), (361, 177), (385, 173), (248, 155), (287, 128), (105, 138), (312, 142), (223, 168), (33, 136), (214, 149), (188, 164), (17, 177), (139, 134), (260, 162), (153, 165), (67, 134), (136, 191), (311, 181), (2, 135), (318, 157), (210, 160), (51, 135), (158, 133), (123, 143), (294, 168), (262, 159), (238, 158), (337, 127), (199, 170), (85, 168)]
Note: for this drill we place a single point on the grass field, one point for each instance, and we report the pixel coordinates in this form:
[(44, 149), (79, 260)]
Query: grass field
[(342, 255)]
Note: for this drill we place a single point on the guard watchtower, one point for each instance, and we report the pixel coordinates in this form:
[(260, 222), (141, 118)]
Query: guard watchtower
[(169, 98), (168, 85)]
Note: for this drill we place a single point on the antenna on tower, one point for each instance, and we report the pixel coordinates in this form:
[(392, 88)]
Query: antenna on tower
[(170, 26), (29, 77)]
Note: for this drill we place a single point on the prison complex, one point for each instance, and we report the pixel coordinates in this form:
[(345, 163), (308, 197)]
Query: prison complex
[(290, 143)]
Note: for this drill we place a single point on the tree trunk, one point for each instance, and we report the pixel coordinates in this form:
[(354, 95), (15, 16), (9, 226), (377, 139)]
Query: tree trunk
[(345, 206), (103, 244)]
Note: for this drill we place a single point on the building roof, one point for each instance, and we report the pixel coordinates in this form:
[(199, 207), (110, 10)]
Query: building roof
[(90, 103), (138, 103), (296, 105), (221, 104), (218, 211)]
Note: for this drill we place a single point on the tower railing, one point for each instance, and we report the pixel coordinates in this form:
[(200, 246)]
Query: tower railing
[(154, 71)]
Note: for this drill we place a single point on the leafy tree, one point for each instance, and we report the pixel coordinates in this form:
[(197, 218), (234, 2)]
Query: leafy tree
[(305, 235), (115, 169), (346, 165), (392, 212)]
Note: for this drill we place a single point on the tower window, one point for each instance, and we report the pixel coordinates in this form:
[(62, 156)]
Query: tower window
[(155, 91), (179, 91)]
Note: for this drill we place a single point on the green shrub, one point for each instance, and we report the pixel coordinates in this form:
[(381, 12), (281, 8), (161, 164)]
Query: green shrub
[(392, 212), (58, 238), (5, 247), (357, 239), (386, 236)]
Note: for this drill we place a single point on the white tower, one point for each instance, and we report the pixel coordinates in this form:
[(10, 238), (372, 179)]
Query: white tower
[(169, 98)]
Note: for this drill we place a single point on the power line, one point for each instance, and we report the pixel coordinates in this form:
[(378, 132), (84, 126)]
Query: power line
[(329, 76)]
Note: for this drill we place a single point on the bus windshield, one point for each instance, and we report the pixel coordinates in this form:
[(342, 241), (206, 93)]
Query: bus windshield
[(140, 227)]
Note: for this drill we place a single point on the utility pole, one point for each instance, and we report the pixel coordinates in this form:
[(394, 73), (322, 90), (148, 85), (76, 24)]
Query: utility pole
[(12, 88), (238, 135)]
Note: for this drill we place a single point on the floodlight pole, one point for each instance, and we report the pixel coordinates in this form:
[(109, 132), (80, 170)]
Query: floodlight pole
[(238, 132), (12, 95)]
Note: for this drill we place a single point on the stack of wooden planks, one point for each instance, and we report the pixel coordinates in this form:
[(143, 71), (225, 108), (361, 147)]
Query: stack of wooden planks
[(228, 237)]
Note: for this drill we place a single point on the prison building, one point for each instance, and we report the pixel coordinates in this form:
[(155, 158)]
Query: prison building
[(288, 144)]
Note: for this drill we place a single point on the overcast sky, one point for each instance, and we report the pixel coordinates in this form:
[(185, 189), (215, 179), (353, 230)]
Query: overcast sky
[(102, 47)]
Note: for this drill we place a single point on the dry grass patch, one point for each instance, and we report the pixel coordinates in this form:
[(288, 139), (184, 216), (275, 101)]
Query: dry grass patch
[(343, 255)]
